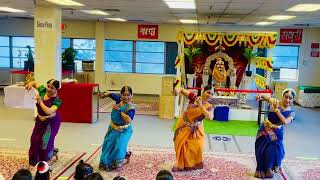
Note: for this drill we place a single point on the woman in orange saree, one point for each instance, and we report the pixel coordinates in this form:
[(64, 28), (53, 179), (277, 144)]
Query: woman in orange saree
[(189, 133)]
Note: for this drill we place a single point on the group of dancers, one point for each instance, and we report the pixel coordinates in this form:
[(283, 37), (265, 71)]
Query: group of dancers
[(188, 137)]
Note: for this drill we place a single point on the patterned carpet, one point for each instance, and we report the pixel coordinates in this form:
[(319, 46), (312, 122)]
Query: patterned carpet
[(144, 107), (11, 160), (146, 162)]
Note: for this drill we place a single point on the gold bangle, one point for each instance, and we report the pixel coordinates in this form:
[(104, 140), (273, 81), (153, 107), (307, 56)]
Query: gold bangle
[(276, 110)]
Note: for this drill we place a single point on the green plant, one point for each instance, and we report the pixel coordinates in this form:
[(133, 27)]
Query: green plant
[(190, 53), (29, 54), (69, 55), (250, 55)]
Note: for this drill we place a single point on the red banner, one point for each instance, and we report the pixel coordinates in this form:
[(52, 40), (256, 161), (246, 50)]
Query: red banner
[(315, 45), (148, 31), (290, 35), (314, 54)]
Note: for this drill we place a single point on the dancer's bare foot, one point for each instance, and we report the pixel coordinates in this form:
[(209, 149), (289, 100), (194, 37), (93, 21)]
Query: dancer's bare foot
[(268, 173), (278, 170), (105, 168), (55, 157), (258, 174), (55, 153), (127, 157), (174, 169)]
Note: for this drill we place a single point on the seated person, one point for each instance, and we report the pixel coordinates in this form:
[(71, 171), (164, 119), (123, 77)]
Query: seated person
[(83, 170), (21, 174), (164, 175)]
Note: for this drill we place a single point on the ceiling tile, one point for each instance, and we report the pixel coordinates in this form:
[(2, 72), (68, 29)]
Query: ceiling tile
[(243, 6), (245, 11), (228, 20), (238, 11)]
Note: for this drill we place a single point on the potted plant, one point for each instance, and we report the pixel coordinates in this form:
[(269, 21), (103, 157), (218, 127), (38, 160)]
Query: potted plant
[(29, 64), (190, 53), (250, 55), (68, 57)]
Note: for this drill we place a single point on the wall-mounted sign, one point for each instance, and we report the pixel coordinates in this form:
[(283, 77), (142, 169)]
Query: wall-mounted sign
[(291, 35), (44, 24), (315, 54), (315, 45), (148, 31)]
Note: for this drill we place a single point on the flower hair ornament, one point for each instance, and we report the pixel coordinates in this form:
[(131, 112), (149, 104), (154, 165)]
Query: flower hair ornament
[(42, 167), (289, 90)]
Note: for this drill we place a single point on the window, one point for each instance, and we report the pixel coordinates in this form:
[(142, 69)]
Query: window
[(134, 56), (118, 56), (150, 57), (285, 62), (65, 43), (86, 49), (20, 50), (4, 52)]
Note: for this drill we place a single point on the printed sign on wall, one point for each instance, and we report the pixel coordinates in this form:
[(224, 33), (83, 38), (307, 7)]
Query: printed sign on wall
[(148, 31), (315, 45), (314, 54), (291, 35), (44, 24), (314, 49)]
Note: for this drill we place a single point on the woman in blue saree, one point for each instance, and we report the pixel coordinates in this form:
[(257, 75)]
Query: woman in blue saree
[(269, 149), (114, 149)]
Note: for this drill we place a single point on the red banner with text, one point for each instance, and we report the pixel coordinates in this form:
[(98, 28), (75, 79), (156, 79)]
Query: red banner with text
[(148, 31), (291, 36)]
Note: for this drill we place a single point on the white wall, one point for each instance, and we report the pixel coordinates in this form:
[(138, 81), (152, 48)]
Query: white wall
[(16, 27), (309, 73), (140, 83)]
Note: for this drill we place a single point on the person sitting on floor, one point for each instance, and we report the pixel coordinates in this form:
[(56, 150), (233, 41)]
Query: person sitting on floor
[(94, 176), (21, 174), (119, 178), (43, 171), (83, 170), (164, 175)]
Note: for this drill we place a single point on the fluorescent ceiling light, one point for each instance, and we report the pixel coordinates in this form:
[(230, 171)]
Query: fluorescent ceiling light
[(65, 2), (181, 4), (116, 19), (304, 7), (188, 21), (95, 12), (280, 17), (7, 9), (264, 23)]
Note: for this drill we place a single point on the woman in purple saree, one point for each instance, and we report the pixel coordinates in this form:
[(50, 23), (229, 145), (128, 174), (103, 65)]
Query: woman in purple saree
[(47, 122), (269, 149)]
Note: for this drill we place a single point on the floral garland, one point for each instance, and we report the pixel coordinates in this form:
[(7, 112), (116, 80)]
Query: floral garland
[(264, 63), (260, 40), (261, 81)]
